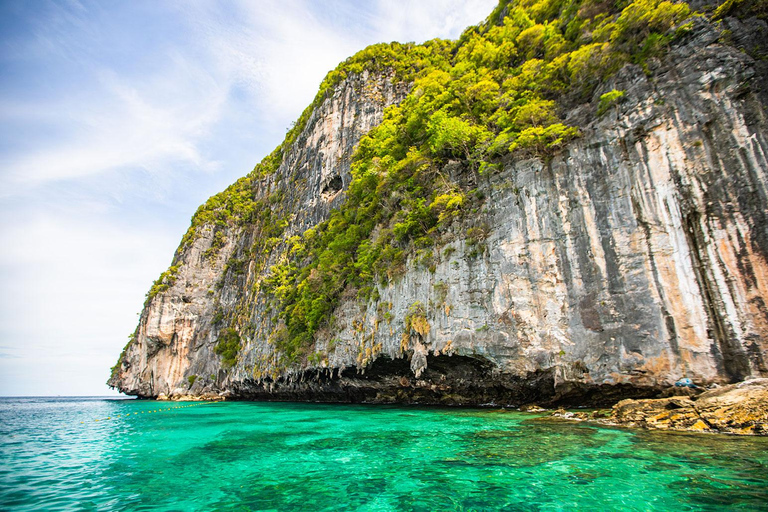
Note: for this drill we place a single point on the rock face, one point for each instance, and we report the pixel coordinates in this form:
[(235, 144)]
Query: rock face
[(636, 256), (736, 409)]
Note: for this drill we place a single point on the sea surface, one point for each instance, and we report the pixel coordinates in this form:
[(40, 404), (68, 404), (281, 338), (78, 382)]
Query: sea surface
[(108, 454)]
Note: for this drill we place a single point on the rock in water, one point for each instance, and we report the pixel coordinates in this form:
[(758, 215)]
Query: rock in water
[(736, 409)]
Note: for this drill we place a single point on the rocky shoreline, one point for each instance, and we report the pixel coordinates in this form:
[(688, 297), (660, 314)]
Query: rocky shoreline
[(740, 409)]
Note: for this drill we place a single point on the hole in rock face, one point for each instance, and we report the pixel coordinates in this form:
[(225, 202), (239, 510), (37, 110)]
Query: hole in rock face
[(447, 380), (332, 187)]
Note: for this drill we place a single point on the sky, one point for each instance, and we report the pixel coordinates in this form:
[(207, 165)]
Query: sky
[(117, 120)]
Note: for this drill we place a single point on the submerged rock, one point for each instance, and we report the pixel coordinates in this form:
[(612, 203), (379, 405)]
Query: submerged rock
[(736, 409)]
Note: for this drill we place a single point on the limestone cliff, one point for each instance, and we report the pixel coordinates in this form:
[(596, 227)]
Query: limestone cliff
[(631, 257)]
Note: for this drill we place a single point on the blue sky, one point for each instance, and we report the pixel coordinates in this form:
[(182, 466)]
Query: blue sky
[(117, 120)]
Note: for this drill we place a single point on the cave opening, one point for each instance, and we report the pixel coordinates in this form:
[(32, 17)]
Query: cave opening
[(332, 187)]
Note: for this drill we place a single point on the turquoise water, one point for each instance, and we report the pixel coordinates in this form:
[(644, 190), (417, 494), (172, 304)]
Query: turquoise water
[(64, 454)]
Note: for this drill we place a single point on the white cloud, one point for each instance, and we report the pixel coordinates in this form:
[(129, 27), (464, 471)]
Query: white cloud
[(426, 19), (277, 51), (148, 124)]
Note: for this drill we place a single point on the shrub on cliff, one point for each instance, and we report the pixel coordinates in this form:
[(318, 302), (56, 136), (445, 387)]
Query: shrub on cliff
[(608, 100), (228, 347)]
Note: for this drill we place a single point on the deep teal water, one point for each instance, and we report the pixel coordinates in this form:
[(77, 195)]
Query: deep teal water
[(54, 455)]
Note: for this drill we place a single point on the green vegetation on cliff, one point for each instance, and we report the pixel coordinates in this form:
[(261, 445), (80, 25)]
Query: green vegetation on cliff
[(162, 283), (503, 88), (228, 346), (742, 9)]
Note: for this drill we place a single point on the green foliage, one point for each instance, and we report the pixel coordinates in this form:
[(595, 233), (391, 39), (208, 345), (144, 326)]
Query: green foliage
[(453, 136), (539, 140), (219, 239), (475, 239), (608, 100), (644, 18), (537, 112), (115, 369), (291, 348), (162, 283), (228, 347), (742, 9), (235, 206), (236, 266), (191, 379), (448, 206)]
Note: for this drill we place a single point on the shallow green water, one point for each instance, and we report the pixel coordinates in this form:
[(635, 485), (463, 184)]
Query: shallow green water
[(282, 456)]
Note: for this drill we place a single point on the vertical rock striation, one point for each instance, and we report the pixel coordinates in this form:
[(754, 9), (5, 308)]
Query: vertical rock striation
[(634, 257)]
